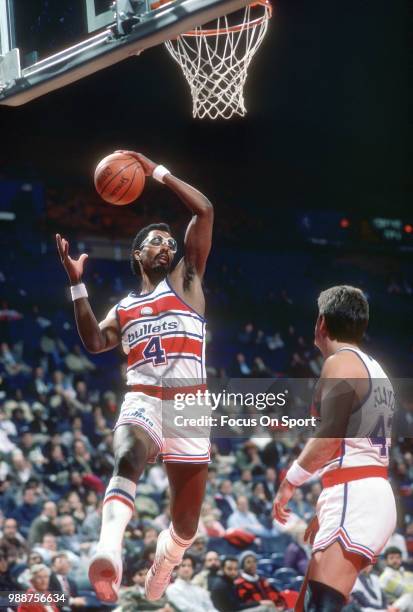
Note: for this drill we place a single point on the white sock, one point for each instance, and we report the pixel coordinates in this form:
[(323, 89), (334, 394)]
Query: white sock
[(176, 546), (118, 508)]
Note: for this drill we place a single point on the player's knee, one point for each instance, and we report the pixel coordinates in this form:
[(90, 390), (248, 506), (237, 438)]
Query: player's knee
[(322, 598), (130, 460), (186, 525)]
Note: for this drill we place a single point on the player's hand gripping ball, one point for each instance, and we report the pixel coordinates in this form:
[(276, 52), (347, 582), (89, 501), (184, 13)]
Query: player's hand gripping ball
[(119, 178)]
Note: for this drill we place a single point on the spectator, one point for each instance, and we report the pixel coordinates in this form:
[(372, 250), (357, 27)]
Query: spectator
[(224, 593), (243, 485), (133, 598), (24, 578), (270, 482), (44, 523), (157, 478), (297, 555), (241, 368), (185, 596), (60, 582), (47, 547), (259, 503), (225, 500), (26, 512), (299, 506), (251, 588), (12, 541), (396, 582), (69, 539), (40, 577), (77, 362), (249, 459), (7, 582), (207, 577), (367, 592), (242, 518)]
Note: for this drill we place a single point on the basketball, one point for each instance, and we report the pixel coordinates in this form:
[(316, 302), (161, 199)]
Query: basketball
[(119, 179)]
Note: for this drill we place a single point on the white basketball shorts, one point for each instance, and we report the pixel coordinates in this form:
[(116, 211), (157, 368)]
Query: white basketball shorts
[(360, 514), (156, 417)]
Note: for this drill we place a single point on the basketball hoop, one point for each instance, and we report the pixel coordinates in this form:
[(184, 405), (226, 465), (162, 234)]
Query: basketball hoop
[(215, 59)]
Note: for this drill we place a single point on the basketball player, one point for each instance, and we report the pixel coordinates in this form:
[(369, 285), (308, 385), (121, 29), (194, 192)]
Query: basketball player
[(356, 512), (162, 329)]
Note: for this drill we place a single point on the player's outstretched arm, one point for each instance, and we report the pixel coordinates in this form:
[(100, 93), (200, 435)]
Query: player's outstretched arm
[(96, 337), (198, 235)]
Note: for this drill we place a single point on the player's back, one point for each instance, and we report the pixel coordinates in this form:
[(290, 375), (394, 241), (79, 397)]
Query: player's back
[(368, 435)]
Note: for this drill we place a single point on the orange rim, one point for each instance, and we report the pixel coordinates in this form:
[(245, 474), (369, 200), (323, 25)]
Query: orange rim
[(236, 28)]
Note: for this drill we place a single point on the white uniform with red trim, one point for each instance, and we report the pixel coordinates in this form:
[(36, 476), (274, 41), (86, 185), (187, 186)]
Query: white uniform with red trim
[(360, 510), (164, 340)]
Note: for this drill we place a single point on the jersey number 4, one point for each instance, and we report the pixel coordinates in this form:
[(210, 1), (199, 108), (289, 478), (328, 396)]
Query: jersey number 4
[(154, 351), (379, 435)]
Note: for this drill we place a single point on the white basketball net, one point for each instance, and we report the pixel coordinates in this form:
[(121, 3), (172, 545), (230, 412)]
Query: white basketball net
[(215, 61)]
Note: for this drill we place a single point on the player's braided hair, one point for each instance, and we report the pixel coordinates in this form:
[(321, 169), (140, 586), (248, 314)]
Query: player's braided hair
[(139, 238)]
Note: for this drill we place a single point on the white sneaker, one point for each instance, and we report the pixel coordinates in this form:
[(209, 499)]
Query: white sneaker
[(159, 575), (105, 575)]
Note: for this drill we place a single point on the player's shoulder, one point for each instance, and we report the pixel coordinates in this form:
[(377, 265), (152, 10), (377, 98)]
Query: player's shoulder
[(344, 364)]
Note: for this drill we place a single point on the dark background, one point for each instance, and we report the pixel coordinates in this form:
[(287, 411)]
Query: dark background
[(327, 125)]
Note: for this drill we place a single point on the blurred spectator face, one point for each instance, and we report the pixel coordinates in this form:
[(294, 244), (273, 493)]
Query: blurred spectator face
[(57, 377), (57, 453), (74, 501), (139, 577), (34, 559), (63, 506), (40, 578), (91, 498), (230, 569), (27, 439), (38, 372), (242, 504), (61, 565), (50, 510), (226, 487), (259, 490), (150, 536), (250, 565), (67, 525), (246, 476), (76, 480), (270, 475), (298, 495), (394, 560), (186, 570), (30, 496), (212, 561), (198, 545), (18, 460), (49, 542), (10, 528)]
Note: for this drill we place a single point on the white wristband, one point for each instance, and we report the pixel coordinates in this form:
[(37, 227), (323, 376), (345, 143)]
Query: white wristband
[(78, 291), (297, 475), (159, 173)]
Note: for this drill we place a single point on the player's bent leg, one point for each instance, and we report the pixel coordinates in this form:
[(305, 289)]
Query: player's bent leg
[(187, 482), (331, 576), (132, 447)]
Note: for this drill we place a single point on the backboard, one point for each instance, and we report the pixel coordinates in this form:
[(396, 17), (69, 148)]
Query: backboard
[(47, 45)]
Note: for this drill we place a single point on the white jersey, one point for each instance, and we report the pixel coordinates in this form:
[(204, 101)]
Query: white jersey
[(368, 436), (163, 337)]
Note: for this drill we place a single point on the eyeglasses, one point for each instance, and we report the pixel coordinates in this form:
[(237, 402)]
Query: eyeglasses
[(158, 240)]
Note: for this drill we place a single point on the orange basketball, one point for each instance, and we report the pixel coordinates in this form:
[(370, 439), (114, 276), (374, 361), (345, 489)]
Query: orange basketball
[(119, 179)]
